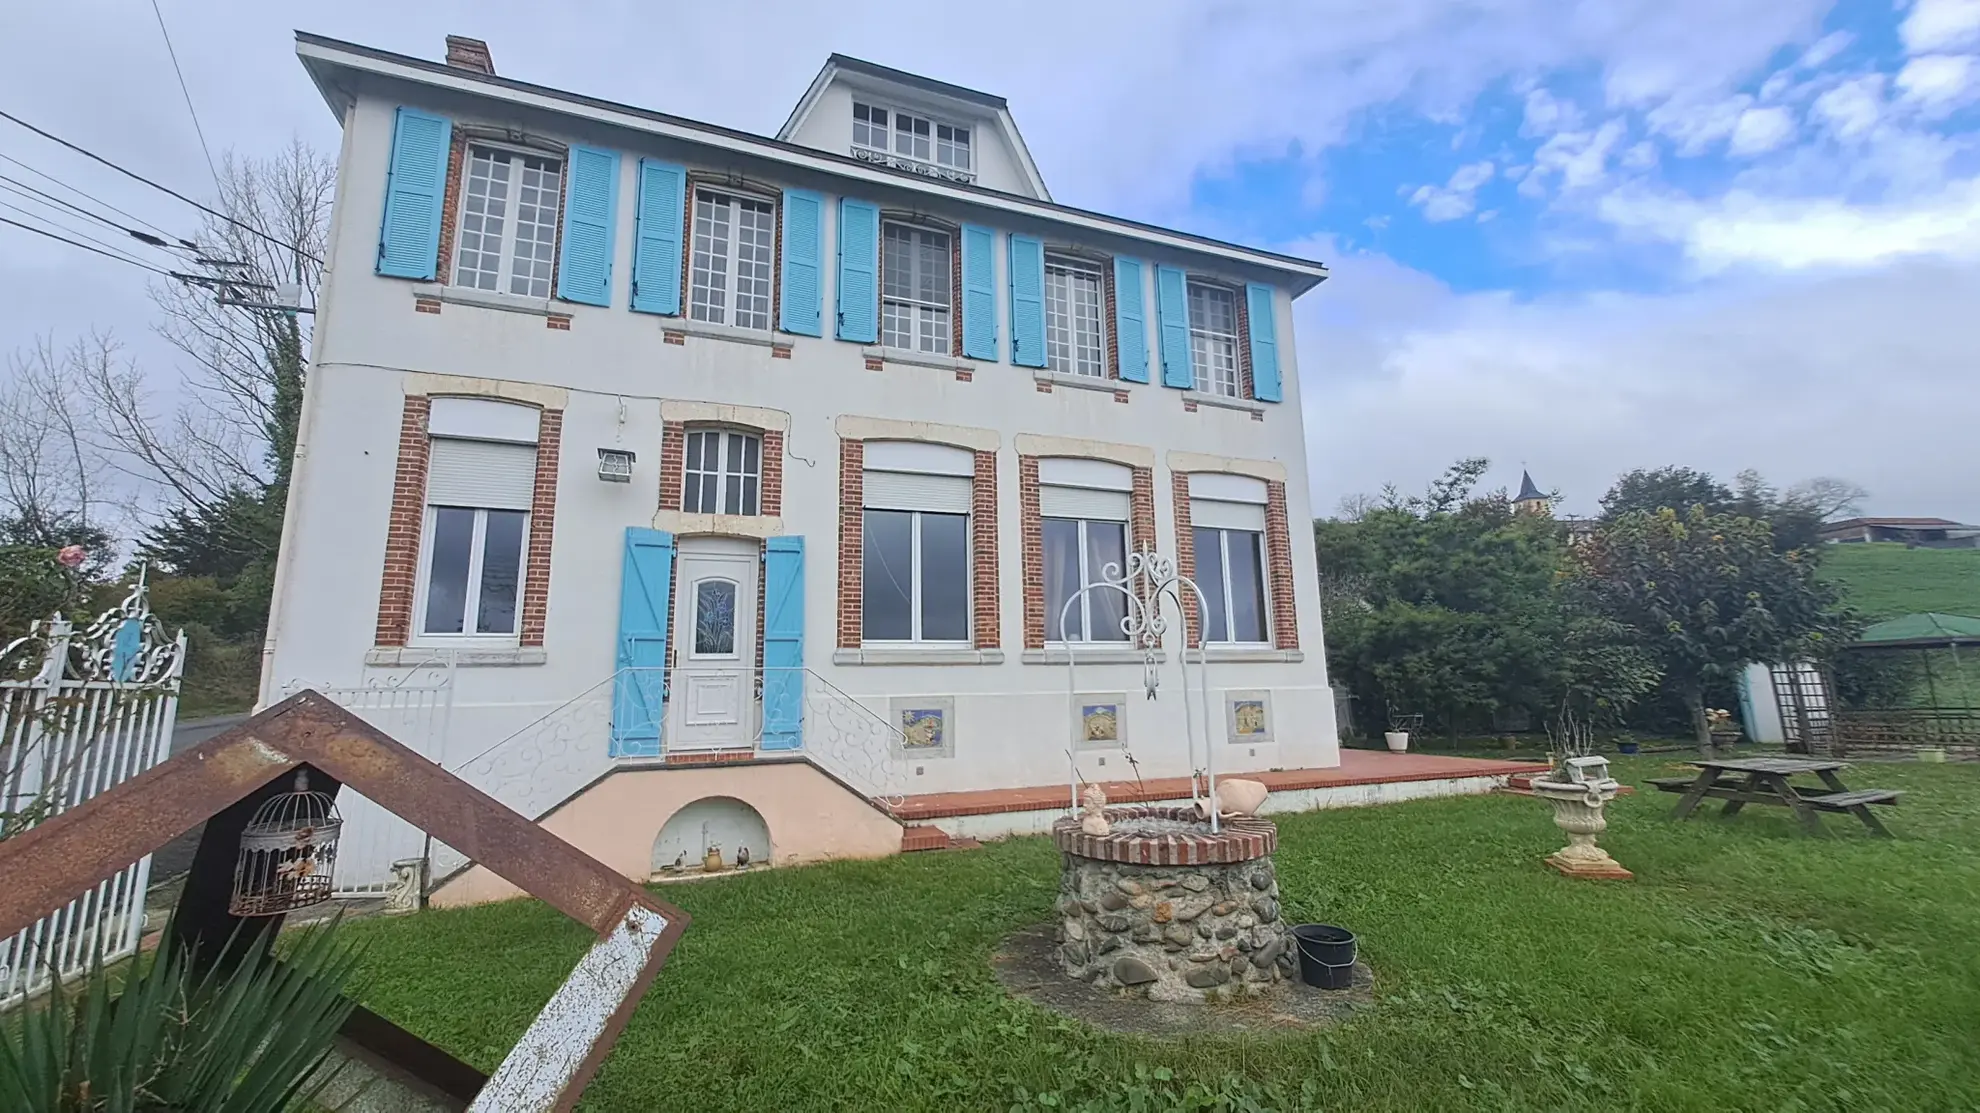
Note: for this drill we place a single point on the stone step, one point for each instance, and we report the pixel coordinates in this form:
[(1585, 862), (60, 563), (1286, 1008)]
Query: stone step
[(918, 837)]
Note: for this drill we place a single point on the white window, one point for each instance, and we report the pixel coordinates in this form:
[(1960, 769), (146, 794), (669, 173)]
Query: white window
[(1213, 352), (1227, 513), (480, 480), (916, 288), (916, 568), (870, 127), (952, 146), (913, 137), (1074, 343), (506, 236), (724, 471), (734, 249), (1084, 506)]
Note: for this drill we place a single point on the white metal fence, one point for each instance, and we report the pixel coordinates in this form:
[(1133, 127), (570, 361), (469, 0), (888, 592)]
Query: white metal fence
[(415, 707), (81, 711)]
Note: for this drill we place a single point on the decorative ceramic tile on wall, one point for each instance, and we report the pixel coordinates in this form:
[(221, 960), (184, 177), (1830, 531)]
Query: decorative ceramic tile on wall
[(1100, 721), (1248, 718), (927, 726)]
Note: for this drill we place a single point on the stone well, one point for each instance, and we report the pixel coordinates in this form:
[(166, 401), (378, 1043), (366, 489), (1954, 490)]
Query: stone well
[(1162, 908)]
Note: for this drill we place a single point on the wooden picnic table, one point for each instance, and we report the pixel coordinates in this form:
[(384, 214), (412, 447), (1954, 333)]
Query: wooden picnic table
[(1767, 782)]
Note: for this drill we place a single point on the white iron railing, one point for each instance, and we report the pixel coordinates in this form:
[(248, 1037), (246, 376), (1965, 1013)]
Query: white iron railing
[(555, 756), (413, 705), (81, 711)]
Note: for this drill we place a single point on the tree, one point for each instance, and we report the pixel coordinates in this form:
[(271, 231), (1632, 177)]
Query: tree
[(1449, 605), (50, 495), (1827, 497), (1670, 488), (1711, 593), (222, 457)]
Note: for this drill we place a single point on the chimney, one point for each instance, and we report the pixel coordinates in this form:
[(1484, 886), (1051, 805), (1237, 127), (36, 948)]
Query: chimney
[(469, 54)]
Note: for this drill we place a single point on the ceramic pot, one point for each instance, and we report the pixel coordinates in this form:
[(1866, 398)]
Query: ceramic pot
[(1398, 740)]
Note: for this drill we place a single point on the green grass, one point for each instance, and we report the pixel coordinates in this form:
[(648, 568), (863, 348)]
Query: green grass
[(1747, 967), (1888, 580)]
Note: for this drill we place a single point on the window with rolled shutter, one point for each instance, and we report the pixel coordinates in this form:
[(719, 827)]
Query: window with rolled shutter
[(916, 557), (478, 499)]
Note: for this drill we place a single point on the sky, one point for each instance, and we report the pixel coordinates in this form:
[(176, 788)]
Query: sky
[(1579, 236)]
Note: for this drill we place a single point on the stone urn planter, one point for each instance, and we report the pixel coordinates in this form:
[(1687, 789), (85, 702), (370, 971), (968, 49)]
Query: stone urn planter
[(1578, 811)]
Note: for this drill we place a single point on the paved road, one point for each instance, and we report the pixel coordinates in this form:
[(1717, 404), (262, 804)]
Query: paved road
[(176, 856)]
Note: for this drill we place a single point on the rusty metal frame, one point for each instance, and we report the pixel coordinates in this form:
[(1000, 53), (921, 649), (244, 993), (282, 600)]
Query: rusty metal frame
[(47, 865)]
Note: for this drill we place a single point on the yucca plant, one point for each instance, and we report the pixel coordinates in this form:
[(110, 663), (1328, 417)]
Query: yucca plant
[(153, 1037)]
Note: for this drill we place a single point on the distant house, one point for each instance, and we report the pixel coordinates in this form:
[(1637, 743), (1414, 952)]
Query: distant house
[(1913, 531), (1531, 501)]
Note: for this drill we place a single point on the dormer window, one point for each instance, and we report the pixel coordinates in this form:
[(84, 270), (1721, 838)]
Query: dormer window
[(911, 141)]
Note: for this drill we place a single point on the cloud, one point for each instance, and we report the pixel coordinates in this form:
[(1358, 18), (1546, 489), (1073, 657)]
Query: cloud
[(1546, 114), (1402, 377), (1852, 108), (1934, 25), (1579, 159), (1458, 197), (1825, 48), (1793, 234), (1938, 82), (1694, 125), (1760, 130)]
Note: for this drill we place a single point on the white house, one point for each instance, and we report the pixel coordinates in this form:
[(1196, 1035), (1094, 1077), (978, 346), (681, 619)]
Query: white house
[(714, 465)]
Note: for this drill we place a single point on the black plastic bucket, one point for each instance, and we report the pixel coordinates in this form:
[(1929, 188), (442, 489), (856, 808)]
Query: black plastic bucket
[(1326, 955)]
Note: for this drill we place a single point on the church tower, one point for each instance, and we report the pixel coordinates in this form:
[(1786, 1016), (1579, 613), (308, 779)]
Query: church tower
[(1530, 500)]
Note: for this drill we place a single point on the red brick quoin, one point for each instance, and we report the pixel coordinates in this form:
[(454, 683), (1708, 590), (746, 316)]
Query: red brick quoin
[(1185, 555), (1278, 568), (1242, 839), (852, 539), (983, 539), (542, 523)]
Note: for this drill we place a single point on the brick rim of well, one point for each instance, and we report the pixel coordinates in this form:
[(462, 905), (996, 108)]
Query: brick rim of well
[(1241, 839)]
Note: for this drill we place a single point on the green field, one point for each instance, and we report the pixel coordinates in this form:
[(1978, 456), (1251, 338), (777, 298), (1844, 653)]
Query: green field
[(1885, 580), (1747, 967)]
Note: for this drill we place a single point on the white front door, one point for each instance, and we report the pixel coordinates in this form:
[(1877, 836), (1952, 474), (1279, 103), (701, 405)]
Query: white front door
[(712, 702)]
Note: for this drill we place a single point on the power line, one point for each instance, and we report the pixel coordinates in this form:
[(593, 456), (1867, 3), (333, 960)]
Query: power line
[(76, 232), (190, 111), (85, 247), (242, 225), (16, 186), (51, 179)]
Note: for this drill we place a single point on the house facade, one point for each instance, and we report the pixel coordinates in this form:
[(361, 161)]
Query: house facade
[(745, 439)]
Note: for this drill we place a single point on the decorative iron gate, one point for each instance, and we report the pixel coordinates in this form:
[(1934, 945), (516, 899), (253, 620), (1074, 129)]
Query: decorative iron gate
[(81, 711)]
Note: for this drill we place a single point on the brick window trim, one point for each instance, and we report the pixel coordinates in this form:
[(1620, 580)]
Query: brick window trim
[(985, 581), (770, 457), (406, 523), (466, 135), (1031, 526), (1281, 602)]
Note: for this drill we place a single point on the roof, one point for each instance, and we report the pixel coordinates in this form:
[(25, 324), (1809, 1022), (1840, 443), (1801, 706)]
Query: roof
[(333, 63), (998, 108), (1527, 491), (1922, 631), (1895, 523)]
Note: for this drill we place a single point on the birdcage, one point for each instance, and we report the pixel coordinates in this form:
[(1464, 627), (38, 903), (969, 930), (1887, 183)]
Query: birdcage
[(287, 853)]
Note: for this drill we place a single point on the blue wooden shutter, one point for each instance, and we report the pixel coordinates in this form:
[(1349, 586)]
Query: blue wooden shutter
[(979, 306), (591, 209), (1027, 302), (1172, 305), (859, 271), (646, 591), (802, 299), (656, 286), (783, 643), (1264, 342), (415, 190), (1130, 320)]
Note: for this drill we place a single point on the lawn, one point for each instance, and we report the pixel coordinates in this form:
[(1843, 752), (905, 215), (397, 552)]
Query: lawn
[(1887, 580), (1747, 967)]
